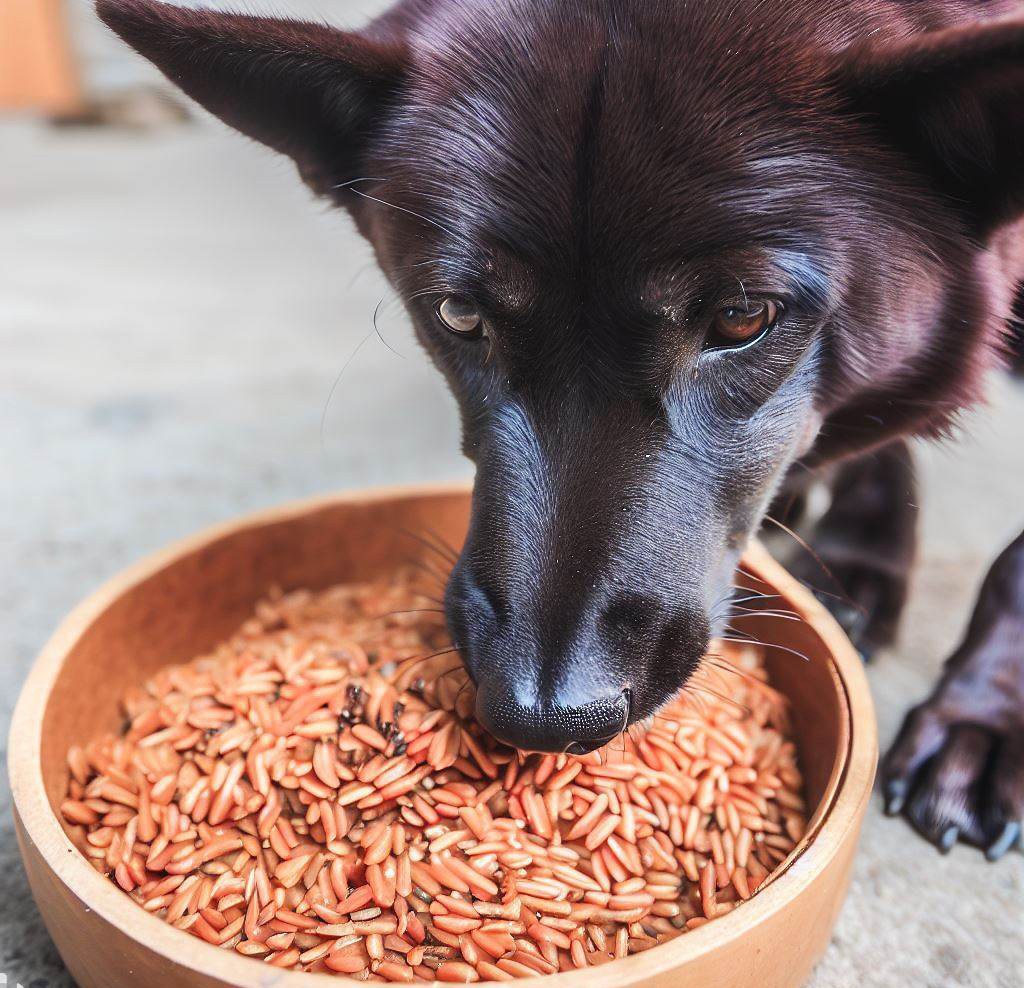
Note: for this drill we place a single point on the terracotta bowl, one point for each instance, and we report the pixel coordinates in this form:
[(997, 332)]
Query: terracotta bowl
[(184, 599)]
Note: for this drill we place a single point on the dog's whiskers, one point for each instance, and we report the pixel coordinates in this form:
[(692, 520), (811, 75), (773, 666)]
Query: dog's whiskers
[(449, 550), (411, 610), (753, 612), (334, 387), (757, 641), (802, 543), (755, 596), (446, 553), (391, 205), (694, 684), (422, 565), (380, 336), (750, 576), (724, 665)]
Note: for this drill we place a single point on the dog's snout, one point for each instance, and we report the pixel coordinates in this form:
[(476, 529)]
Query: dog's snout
[(525, 697), (575, 730), (567, 665), (631, 613)]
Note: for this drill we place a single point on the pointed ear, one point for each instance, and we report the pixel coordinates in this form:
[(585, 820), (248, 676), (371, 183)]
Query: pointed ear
[(306, 90), (954, 100)]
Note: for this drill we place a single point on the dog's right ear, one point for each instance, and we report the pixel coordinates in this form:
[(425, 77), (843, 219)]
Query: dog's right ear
[(954, 101), (307, 90)]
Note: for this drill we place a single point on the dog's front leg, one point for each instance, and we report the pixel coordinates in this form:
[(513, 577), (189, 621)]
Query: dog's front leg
[(957, 768), (864, 546)]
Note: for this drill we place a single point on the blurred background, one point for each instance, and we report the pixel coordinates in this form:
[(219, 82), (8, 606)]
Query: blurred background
[(186, 335)]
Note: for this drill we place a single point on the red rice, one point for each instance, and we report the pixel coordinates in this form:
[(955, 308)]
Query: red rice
[(308, 795)]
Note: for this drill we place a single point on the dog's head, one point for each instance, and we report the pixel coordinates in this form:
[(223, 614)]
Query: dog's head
[(653, 247)]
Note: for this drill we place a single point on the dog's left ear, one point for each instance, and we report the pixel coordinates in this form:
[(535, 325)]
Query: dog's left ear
[(954, 100), (307, 90)]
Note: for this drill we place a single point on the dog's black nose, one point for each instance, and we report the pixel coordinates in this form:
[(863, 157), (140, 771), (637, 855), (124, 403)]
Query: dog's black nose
[(572, 729)]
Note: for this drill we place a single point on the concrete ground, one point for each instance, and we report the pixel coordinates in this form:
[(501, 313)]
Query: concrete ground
[(186, 337)]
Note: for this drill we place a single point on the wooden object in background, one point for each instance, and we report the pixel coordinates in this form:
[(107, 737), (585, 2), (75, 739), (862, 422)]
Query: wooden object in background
[(37, 68), (195, 593)]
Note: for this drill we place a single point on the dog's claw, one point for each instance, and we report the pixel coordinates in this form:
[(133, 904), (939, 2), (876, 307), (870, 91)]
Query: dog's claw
[(850, 617), (1008, 837), (895, 796), (948, 839)]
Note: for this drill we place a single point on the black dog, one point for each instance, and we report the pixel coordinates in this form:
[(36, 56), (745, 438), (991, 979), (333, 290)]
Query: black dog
[(665, 252)]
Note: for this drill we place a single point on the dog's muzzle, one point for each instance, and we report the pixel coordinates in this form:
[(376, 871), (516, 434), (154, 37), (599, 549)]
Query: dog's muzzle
[(573, 730)]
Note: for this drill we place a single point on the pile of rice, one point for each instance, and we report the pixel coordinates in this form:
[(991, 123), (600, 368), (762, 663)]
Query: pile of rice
[(315, 793)]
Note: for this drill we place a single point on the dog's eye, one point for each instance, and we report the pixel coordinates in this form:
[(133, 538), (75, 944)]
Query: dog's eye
[(738, 324), (460, 316)]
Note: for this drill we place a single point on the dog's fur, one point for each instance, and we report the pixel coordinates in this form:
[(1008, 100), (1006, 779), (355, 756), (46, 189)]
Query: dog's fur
[(600, 177)]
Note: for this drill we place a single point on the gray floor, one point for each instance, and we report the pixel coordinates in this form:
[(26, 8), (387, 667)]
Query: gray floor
[(174, 314)]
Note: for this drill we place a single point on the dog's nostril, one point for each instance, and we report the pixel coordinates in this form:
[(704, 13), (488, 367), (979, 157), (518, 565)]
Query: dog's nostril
[(584, 747), (573, 729), (472, 600), (579, 748), (496, 603)]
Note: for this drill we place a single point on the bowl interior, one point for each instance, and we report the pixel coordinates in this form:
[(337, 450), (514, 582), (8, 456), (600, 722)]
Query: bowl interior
[(204, 594), (184, 600)]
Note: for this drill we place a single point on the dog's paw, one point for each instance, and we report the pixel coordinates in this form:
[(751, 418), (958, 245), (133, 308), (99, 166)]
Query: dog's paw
[(866, 597), (954, 777)]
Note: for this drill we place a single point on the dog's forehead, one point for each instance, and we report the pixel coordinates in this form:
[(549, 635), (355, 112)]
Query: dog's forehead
[(546, 131)]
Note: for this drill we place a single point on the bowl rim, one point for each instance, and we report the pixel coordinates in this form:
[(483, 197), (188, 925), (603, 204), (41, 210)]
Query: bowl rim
[(847, 791)]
